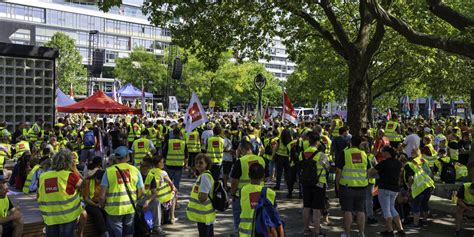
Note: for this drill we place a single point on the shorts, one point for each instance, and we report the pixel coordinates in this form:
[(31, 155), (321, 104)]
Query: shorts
[(352, 200), (314, 197), (420, 202), (227, 167), (7, 228)]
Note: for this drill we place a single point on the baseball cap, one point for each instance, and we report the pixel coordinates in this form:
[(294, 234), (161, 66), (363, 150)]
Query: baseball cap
[(427, 129), (121, 152)]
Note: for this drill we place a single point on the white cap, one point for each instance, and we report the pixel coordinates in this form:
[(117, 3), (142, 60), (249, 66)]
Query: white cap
[(427, 129)]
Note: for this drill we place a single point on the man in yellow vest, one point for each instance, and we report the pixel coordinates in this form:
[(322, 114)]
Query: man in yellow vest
[(29, 185), (58, 196), (133, 131), (11, 219), (35, 131), (335, 125), (465, 204), (175, 152), (114, 195), (215, 151), (250, 194), (352, 182), (141, 148), (21, 147), (240, 176), (193, 143), (393, 131)]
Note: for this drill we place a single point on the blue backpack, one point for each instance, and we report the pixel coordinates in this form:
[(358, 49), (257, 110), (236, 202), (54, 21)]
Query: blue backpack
[(266, 218), (89, 138)]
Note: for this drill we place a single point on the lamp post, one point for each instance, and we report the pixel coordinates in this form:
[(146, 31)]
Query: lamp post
[(260, 82)]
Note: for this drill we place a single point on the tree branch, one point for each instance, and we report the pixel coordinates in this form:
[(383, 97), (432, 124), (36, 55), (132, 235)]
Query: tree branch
[(374, 44), (387, 69), (449, 45), (443, 11), (364, 27), (336, 25)]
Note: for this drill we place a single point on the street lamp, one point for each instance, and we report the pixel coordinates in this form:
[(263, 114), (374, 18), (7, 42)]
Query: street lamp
[(260, 82)]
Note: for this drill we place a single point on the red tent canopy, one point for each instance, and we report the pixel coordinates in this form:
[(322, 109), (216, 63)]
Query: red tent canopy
[(98, 103)]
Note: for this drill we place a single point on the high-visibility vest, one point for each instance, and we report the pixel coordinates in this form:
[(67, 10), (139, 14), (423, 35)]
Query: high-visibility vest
[(354, 173), (152, 135), (56, 205), (434, 155), (308, 152), (29, 177), (248, 201), (5, 152), (282, 150), (468, 197), (245, 163), (117, 202), (461, 171), (161, 134), (391, 131), (91, 188), (371, 159), (421, 180), (21, 147), (267, 142), (438, 164), (75, 157), (163, 189), (141, 147), (4, 205), (454, 153), (197, 211), (327, 142), (215, 149), (338, 124), (134, 132), (290, 145), (24, 132), (175, 155), (193, 142), (32, 134)]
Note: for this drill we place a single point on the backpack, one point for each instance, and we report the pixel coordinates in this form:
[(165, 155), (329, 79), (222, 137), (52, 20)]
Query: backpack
[(266, 218), (219, 199), (308, 175), (295, 152), (448, 172), (255, 145), (268, 148), (89, 138)]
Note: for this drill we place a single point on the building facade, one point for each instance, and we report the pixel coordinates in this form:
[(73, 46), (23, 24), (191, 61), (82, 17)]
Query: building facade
[(279, 63)]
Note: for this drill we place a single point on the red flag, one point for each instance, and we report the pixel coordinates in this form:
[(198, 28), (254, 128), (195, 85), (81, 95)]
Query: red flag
[(267, 117), (288, 110), (389, 114), (71, 92)]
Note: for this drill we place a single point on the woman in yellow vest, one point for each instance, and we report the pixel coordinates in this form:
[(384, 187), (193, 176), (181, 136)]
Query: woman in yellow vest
[(249, 196), (58, 197), (281, 157), (90, 194), (465, 204), (200, 207), (30, 186)]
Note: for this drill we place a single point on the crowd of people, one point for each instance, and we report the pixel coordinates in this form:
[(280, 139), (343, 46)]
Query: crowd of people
[(83, 167)]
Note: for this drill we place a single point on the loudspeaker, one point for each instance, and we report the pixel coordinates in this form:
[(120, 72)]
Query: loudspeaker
[(98, 58), (177, 69)]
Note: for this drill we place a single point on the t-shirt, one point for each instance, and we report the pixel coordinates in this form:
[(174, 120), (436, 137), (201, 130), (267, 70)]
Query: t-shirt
[(389, 173), (227, 148), (206, 184), (412, 141), (72, 181)]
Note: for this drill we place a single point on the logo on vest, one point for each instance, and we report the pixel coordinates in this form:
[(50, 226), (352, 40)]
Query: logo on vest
[(390, 126), (51, 185), (215, 144), (141, 145), (191, 137), (125, 173), (21, 146), (196, 189), (356, 158), (253, 198), (177, 146)]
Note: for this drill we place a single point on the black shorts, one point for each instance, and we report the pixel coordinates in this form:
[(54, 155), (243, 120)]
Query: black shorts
[(7, 228), (227, 167), (352, 199), (314, 197)]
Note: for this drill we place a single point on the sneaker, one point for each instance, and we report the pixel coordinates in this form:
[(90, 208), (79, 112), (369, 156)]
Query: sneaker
[(401, 233), (372, 221), (386, 233)]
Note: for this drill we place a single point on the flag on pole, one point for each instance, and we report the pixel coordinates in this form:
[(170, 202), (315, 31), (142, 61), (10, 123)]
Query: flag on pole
[(288, 110), (195, 114), (428, 107), (416, 108), (389, 114), (71, 91), (406, 105), (452, 109), (267, 118), (143, 99), (114, 92)]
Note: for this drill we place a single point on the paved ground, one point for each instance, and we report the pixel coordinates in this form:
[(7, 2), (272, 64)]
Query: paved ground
[(441, 224)]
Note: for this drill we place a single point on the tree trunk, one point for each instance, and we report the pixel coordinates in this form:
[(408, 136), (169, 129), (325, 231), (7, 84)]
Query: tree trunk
[(357, 99), (370, 103)]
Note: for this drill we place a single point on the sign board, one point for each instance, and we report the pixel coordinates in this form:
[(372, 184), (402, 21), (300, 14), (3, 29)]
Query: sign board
[(173, 106), (212, 104)]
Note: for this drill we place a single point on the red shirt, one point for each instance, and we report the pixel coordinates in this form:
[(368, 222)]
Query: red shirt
[(72, 181), (379, 143)]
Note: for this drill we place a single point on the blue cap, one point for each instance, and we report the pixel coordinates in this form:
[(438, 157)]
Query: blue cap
[(121, 151)]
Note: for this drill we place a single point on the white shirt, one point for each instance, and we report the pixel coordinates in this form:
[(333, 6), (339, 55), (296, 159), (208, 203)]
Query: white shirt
[(412, 141), (227, 148), (204, 136)]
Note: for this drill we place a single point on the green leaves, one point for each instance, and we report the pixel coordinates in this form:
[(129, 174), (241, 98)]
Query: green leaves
[(69, 68)]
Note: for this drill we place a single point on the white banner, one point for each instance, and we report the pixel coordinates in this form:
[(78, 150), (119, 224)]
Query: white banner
[(195, 114), (173, 106)]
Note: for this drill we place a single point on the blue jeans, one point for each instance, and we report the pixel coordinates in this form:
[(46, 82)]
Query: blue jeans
[(236, 210), (387, 203), (66, 229), (119, 226), (175, 176)]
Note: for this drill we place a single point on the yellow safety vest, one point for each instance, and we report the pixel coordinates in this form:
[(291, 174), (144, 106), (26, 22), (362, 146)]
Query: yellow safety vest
[(32, 135), (354, 173), (215, 149), (339, 124), (267, 142), (250, 194), (91, 188), (29, 177), (327, 142), (370, 158), (282, 150), (56, 205), (434, 155), (308, 152), (461, 171), (245, 163), (175, 155), (141, 147), (468, 197), (391, 131), (21, 147), (5, 152), (193, 142), (163, 189), (202, 212), (118, 203), (293, 142), (75, 157), (421, 180), (160, 134), (4, 205), (134, 132), (454, 153), (152, 135)]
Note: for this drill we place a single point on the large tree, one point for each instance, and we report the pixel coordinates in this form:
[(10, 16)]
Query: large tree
[(69, 68), (247, 27)]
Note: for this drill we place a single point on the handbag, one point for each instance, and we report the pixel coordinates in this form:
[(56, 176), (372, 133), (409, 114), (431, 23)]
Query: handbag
[(141, 226)]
